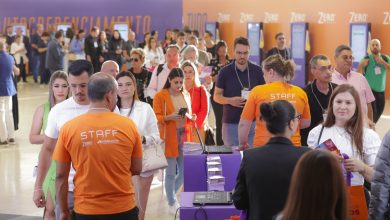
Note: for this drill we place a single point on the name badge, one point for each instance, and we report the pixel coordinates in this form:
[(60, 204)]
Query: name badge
[(378, 70), (245, 93), (95, 44), (324, 115)]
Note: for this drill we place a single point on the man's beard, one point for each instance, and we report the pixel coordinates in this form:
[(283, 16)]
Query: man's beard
[(375, 52)]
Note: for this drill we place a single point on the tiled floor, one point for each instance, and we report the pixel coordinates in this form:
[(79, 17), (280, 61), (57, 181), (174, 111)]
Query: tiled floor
[(17, 162)]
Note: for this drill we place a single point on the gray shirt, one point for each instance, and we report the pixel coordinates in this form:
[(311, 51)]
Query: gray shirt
[(54, 56)]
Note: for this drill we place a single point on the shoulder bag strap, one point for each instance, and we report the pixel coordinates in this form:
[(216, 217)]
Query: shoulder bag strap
[(319, 137)]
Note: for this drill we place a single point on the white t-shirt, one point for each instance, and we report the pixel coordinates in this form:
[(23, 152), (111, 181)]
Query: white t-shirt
[(157, 82), (371, 143), (58, 116)]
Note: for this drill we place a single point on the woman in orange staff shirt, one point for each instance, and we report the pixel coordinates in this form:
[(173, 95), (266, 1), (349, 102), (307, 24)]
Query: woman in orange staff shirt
[(277, 73)]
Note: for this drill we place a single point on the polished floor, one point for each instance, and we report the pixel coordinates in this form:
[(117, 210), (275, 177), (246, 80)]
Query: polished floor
[(17, 163)]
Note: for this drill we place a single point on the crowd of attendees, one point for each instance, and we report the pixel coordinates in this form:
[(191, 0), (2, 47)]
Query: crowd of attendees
[(252, 107)]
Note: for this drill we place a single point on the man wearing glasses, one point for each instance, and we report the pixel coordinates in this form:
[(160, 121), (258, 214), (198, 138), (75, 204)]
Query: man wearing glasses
[(318, 92), (344, 74), (233, 85)]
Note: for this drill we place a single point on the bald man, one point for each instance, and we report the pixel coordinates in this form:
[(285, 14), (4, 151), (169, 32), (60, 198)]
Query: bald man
[(374, 67), (110, 67)]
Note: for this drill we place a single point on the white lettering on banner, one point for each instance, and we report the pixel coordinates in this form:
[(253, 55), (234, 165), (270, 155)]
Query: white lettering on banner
[(387, 18), (88, 135), (326, 18), (279, 96), (223, 18), (297, 17), (245, 17), (271, 17), (357, 17)]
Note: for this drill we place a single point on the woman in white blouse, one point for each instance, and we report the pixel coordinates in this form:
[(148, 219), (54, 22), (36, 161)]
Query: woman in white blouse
[(18, 50), (345, 127), (154, 54), (143, 116)]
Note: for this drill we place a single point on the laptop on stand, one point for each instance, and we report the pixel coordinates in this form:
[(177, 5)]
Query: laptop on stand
[(212, 198), (213, 149)]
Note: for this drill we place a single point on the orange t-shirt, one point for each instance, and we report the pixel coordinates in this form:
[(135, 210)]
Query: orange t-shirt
[(101, 147), (271, 92)]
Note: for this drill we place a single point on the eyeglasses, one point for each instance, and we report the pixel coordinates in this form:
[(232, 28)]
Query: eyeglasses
[(299, 117), (134, 59), (324, 68)]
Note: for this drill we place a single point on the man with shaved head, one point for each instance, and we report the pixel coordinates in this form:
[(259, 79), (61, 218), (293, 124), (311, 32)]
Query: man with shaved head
[(374, 67), (110, 67)]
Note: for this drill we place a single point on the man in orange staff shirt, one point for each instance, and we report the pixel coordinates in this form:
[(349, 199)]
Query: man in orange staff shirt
[(105, 150)]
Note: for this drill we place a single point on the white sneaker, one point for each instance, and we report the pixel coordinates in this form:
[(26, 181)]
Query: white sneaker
[(174, 208)]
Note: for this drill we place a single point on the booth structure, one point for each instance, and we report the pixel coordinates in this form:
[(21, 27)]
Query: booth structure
[(256, 40), (359, 37), (299, 46), (64, 26), (21, 26), (123, 29), (213, 27)]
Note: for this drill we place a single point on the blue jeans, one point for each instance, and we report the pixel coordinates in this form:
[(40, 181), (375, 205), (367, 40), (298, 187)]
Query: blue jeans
[(35, 62), (230, 134), (174, 172)]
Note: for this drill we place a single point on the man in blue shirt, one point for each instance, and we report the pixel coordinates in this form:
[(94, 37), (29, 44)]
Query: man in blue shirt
[(7, 90), (35, 61), (233, 85)]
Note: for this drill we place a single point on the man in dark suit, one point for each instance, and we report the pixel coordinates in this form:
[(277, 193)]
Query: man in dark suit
[(91, 46)]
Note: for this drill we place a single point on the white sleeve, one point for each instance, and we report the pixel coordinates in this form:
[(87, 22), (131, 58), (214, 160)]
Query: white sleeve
[(151, 125), (13, 48), (151, 90), (148, 57), (52, 130), (161, 55), (371, 144), (312, 139)]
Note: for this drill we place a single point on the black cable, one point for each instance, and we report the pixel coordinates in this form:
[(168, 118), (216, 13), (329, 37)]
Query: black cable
[(200, 209)]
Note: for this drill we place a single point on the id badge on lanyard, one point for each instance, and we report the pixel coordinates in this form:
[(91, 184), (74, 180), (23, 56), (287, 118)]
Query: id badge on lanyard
[(324, 115), (245, 93), (377, 70)]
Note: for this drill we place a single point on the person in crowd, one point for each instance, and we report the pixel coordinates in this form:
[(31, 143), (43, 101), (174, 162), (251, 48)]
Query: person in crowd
[(141, 74), (19, 51), (91, 44), (203, 57), (115, 46), (210, 45), (146, 40), (77, 45), (374, 67), (42, 49), (154, 34), (380, 184), (55, 53), (167, 39), (35, 60), (191, 53), (318, 92), (68, 36), (79, 73), (344, 125), (188, 32), (25, 40), (221, 59), (154, 55), (175, 32), (167, 105), (160, 74), (344, 74), (277, 73), (181, 41), (58, 92), (195, 33), (102, 48), (99, 194), (7, 89), (144, 118), (110, 67), (233, 85), (9, 36), (281, 47), (130, 44), (199, 98), (260, 191), (318, 174)]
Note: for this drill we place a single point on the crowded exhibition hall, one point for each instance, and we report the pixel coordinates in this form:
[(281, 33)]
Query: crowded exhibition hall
[(194, 110)]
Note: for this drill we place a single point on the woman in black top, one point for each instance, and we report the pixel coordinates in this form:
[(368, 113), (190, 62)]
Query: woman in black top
[(141, 74), (102, 53), (115, 48)]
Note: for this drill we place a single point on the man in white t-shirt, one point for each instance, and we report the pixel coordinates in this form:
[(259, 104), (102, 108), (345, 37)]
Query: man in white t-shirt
[(79, 73), (160, 75)]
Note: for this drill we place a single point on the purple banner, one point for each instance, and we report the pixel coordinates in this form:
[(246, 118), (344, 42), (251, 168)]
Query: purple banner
[(141, 15)]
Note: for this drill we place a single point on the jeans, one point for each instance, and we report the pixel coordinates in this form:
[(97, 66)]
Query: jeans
[(174, 172), (128, 215), (230, 134), (70, 205), (7, 129), (35, 62), (378, 105)]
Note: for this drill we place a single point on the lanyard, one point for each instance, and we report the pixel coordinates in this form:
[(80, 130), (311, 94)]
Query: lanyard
[(319, 103), (249, 80)]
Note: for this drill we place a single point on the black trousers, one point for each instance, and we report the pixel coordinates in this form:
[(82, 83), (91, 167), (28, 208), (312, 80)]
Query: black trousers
[(128, 215), (218, 112), (378, 105)]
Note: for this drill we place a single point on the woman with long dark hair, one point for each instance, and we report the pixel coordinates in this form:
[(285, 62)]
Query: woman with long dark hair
[(115, 48)]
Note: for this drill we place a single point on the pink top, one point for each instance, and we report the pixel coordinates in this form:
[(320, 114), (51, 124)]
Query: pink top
[(360, 83)]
